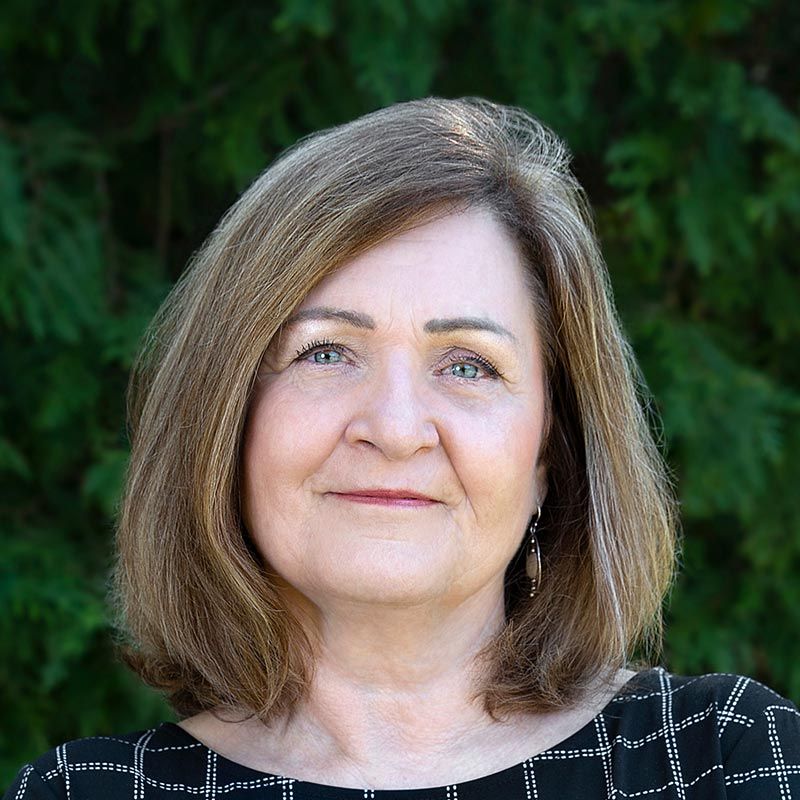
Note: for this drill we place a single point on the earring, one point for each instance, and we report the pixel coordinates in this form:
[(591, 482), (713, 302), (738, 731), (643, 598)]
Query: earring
[(533, 565)]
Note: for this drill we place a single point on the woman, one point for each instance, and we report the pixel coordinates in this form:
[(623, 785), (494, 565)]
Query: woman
[(394, 523)]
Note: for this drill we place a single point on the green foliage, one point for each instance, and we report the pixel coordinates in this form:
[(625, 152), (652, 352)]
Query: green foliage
[(127, 128)]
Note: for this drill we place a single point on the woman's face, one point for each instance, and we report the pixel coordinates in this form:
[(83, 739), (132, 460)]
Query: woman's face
[(383, 382)]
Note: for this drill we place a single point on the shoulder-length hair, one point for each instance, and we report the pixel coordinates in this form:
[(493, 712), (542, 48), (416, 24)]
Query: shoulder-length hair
[(203, 619)]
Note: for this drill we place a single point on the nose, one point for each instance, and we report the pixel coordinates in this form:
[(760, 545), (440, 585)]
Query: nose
[(393, 412)]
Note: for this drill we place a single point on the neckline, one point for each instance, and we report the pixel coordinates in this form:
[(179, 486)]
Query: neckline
[(484, 782)]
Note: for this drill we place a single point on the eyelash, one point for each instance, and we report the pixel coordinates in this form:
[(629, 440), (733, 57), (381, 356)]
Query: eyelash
[(316, 344), (484, 363)]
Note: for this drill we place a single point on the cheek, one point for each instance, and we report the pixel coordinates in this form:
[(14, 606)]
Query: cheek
[(498, 469), (286, 440)]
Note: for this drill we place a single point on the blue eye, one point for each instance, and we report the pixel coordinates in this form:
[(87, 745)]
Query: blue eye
[(322, 351), (469, 367), (465, 367), (467, 370), (327, 356)]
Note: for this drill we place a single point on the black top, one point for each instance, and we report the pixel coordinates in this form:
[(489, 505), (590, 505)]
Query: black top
[(716, 736)]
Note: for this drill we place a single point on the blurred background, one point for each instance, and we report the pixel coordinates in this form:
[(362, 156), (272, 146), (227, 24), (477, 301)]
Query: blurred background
[(127, 128)]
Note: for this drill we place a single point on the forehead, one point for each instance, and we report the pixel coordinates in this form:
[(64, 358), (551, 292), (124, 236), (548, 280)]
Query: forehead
[(464, 264)]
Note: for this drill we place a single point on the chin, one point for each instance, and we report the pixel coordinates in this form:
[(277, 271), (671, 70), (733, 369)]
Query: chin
[(390, 581)]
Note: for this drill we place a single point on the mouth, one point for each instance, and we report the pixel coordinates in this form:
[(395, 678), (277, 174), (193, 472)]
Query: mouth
[(386, 497)]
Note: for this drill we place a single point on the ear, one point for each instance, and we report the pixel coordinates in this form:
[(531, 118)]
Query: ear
[(541, 483)]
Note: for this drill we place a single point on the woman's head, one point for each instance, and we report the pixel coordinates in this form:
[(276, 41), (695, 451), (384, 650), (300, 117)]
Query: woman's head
[(205, 613), (415, 368)]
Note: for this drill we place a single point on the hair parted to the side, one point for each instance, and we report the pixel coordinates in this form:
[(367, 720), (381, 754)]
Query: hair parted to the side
[(202, 619)]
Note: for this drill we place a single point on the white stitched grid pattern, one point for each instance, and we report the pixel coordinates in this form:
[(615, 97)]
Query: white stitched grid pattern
[(726, 713), (661, 737), (26, 773), (605, 747), (531, 792)]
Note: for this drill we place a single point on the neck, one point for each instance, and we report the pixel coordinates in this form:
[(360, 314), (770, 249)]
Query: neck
[(393, 703), (395, 679), (405, 649)]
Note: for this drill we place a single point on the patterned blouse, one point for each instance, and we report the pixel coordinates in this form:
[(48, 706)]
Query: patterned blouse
[(662, 736)]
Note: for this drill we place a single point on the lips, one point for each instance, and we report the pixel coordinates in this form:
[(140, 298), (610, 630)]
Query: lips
[(387, 497), (389, 494)]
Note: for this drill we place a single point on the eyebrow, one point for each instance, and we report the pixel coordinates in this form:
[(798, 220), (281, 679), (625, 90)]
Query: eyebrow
[(354, 318), (433, 326), (468, 324)]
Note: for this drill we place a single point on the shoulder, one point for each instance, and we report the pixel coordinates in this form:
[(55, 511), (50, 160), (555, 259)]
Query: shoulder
[(726, 724), (109, 766), (733, 699), (730, 689)]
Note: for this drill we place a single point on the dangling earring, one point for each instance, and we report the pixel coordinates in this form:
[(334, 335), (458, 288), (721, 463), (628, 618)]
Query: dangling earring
[(533, 565)]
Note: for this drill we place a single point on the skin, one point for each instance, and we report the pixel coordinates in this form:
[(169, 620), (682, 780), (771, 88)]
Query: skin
[(399, 598)]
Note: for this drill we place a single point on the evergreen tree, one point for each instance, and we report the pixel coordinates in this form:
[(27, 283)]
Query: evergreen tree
[(127, 128)]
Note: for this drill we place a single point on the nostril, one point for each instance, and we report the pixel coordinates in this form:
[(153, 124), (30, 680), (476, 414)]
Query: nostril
[(395, 435)]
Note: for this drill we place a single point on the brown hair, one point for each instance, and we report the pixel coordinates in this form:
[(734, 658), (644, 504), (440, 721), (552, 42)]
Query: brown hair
[(204, 622)]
